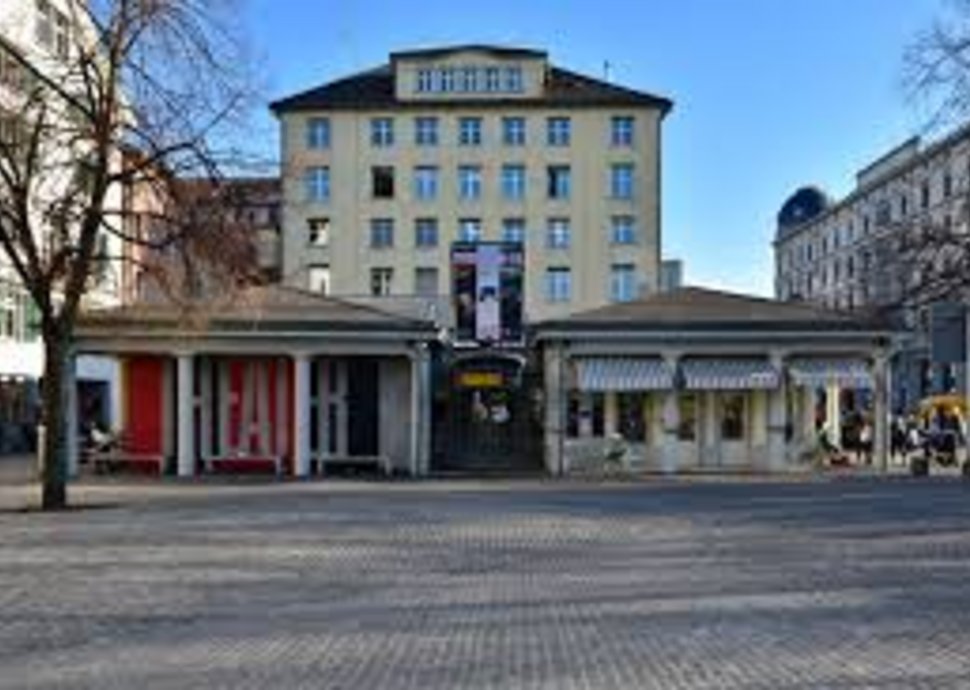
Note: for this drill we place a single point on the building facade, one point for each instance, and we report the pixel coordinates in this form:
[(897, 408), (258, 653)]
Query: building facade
[(386, 170), (847, 254), (45, 34)]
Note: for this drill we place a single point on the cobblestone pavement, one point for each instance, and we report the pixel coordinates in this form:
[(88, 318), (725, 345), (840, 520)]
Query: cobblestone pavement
[(852, 583)]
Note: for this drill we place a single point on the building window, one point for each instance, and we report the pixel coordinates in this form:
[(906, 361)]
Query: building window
[(493, 80), (382, 182), (513, 182), (947, 185), (318, 232), (558, 181), (318, 133), (51, 28), (513, 131), (468, 79), (558, 131), (426, 131), (621, 181), (319, 279), (381, 233), (924, 195), (381, 280), (865, 229), (425, 233), (61, 35), (447, 80), (11, 71), (426, 281), (425, 183), (424, 83), (623, 230), (623, 282), (558, 233), (558, 284), (513, 79), (621, 131), (382, 132), (469, 230), (317, 184), (470, 131), (883, 213), (469, 182), (732, 416), (513, 230), (903, 206)]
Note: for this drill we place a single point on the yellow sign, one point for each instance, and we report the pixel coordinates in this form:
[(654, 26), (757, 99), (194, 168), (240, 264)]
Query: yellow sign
[(480, 379)]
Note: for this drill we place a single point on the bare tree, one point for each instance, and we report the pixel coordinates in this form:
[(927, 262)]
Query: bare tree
[(164, 78)]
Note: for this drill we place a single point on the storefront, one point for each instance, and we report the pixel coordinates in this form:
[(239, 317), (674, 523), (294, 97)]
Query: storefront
[(704, 380), (279, 380)]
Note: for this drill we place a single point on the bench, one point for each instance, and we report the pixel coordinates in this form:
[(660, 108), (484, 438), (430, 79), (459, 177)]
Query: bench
[(210, 463), (112, 460), (381, 462)]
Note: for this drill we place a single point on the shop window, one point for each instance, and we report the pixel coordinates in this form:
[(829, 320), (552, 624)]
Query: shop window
[(732, 416), (631, 417), (599, 424), (687, 429)]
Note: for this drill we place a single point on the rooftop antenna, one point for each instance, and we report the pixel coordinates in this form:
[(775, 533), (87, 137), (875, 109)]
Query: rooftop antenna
[(607, 68)]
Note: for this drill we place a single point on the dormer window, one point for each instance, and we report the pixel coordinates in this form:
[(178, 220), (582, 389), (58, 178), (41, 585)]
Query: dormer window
[(447, 80), (469, 79), (513, 79), (492, 79), (424, 81)]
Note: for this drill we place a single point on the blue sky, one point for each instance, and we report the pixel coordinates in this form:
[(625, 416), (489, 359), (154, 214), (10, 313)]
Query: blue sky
[(769, 94)]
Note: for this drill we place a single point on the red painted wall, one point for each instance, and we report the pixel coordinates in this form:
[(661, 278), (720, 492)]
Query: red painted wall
[(144, 399)]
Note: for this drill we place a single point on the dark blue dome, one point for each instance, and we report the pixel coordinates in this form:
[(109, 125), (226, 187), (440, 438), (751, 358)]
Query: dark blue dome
[(802, 206)]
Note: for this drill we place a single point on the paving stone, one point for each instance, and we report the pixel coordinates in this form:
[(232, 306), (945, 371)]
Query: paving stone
[(855, 583)]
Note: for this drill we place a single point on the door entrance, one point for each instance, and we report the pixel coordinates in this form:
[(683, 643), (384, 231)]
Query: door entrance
[(362, 408), (489, 421)]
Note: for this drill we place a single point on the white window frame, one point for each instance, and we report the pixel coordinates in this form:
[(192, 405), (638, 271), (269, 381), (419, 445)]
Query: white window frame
[(316, 181), (623, 282), (558, 233), (382, 132), (426, 183), (622, 181), (559, 131), (381, 281), (513, 230), (470, 131), (469, 230), (423, 81), (318, 133), (382, 233), (623, 230), (622, 130), (514, 131), (513, 182), (470, 182), (318, 231), (426, 131), (559, 182), (559, 284), (425, 233)]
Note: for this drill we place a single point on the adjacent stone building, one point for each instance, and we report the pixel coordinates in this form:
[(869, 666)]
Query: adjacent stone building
[(846, 254)]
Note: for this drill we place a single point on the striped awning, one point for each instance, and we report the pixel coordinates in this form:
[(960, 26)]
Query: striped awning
[(729, 374), (601, 374), (817, 372)]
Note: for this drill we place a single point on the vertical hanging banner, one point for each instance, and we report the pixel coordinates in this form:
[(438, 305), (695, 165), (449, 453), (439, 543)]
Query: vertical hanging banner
[(488, 318), (487, 289)]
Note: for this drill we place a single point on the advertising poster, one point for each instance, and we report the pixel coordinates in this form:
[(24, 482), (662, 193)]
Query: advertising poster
[(487, 286), (488, 326)]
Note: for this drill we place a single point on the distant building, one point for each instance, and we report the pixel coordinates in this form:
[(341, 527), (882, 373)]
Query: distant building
[(844, 254), (671, 275)]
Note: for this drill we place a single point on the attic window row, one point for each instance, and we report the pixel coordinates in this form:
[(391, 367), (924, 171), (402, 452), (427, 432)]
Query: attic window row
[(469, 79)]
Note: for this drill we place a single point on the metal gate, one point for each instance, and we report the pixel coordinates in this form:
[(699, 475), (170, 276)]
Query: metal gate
[(488, 417)]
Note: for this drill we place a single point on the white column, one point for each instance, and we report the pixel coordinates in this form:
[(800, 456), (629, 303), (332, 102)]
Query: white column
[(778, 417), (185, 416), (301, 415), (709, 431), (420, 412), (205, 407), (670, 453), (880, 416), (833, 413), (71, 415), (611, 424), (555, 392)]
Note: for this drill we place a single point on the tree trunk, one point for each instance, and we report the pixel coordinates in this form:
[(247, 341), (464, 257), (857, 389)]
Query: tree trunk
[(54, 400)]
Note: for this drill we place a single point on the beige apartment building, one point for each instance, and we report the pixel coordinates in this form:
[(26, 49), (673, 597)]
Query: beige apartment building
[(845, 254), (386, 170)]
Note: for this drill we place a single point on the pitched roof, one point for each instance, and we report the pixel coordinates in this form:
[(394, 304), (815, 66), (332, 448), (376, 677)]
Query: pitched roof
[(441, 51), (695, 308), (258, 309), (374, 89)]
